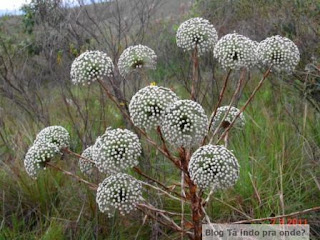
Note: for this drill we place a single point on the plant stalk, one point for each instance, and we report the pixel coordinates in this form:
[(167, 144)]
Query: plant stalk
[(246, 104), (195, 73), (195, 199)]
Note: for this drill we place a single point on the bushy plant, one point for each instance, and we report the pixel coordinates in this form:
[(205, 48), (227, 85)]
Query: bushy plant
[(187, 137)]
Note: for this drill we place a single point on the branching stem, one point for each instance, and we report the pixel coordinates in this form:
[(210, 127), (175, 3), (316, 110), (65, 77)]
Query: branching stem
[(149, 140), (91, 185), (246, 104)]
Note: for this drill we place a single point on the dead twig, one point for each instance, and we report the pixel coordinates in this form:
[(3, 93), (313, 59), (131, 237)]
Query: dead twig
[(314, 209)]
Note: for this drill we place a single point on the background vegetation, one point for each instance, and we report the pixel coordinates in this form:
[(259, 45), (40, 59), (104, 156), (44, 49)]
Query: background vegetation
[(279, 149)]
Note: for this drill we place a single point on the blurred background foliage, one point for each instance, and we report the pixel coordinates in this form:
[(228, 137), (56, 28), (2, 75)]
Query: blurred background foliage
[(278, 151)]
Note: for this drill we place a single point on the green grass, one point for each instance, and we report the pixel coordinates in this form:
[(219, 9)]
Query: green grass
[(278, 172)]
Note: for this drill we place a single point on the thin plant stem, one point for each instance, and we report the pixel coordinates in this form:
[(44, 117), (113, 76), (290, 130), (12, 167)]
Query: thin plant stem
[(305, 211), (169, 222), (195, 73), (208, 220), (246, 104), (214, 112), (67, 150), (226, 140), (182, 203), (220, 98), (208, 197), (91, 185), (143, 223), (138, 170), (305, 113), (161, 190), (153, 208), (230, 206), (164, 146), (227, 112)]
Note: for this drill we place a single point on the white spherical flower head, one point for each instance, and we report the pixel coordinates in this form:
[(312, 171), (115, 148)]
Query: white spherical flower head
[(91, 66), (86, 167), (136, 57), (280, 52), (184, 124), (235, 51), (54, 134), (213, 166), (37, 156), (233, 112), (118, 192), (197, 32), (148, 105), (116, 150)]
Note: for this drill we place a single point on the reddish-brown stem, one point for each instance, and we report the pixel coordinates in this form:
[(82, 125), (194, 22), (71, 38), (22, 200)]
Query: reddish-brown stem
[(230, 105), (112, 98), (266, 74), (137, 170), (91, 185), (226, 140), (153, 208), (195, 73), (220, 98), (165, 148), (67, 150), (195, 199), (214, 112)]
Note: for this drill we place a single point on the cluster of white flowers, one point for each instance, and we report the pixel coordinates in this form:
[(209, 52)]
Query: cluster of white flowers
[(91, 66), (54, 134), (118, 192), (233, 112), (86, 166), (279, 51), (235, 51), (49, 142), (116, 150), (148, 105), (197, 32), (136, 57), (185, 123), (37, 156), (213, 166)]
